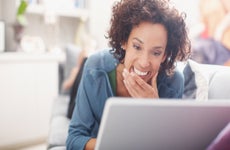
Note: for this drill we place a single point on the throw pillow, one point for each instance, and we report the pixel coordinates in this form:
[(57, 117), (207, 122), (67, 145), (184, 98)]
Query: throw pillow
[(196, 85)]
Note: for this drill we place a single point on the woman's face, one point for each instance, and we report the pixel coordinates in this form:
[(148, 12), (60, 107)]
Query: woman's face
[(145, 49)]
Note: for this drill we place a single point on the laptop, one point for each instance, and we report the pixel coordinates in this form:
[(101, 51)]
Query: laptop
[(144, 124)]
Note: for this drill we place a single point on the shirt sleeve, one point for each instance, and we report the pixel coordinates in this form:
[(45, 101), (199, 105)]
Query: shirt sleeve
[(82, 121)]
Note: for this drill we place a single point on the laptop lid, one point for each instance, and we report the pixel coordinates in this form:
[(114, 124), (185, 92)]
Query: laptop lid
[(135, 124)]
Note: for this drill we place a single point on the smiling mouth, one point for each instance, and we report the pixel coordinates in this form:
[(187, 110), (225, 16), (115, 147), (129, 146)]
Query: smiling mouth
[(140, 73)]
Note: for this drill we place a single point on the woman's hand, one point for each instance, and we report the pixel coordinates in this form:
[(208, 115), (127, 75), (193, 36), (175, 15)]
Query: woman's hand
[(90, 145), (137, 87)]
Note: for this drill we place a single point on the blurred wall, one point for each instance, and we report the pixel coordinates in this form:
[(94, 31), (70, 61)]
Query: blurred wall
[(190, 7), (1, 10), (99, 20), (8, 15)]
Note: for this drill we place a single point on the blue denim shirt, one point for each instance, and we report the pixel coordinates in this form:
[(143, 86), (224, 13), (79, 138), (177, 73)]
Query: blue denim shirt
[(95, 89)]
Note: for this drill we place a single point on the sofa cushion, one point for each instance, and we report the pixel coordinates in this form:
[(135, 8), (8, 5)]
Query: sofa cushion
[(196, 85), (58, 131), (59, 124), (220, 85), (60, 106), (58, 148), (190, 84)]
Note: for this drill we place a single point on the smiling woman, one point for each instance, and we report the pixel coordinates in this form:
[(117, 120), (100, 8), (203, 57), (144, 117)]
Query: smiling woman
[(145, 51), (146, 37)]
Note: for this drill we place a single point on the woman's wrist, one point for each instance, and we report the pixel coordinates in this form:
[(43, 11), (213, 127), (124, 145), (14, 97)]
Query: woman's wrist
[(90, 145)]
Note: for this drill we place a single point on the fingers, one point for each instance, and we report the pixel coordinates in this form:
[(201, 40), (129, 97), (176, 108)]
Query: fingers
[(130, 84), (154, 81), (132, 91), (154, 85), (137, 87)]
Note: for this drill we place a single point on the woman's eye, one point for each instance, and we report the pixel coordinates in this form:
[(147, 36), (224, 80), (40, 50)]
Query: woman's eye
[(136, 47), (156, 53)]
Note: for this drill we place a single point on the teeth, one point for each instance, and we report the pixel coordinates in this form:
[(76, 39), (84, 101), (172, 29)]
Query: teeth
[(140, 73)]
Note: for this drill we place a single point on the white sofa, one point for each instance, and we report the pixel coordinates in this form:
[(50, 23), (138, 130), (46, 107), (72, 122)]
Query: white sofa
[(202, 82)]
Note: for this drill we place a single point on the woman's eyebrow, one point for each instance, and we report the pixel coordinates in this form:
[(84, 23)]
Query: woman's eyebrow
[(158, 48), (135, 38), (155, 48)]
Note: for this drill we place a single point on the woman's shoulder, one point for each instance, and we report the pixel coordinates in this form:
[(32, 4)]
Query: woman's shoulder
[(174, 80), (176, 75), (171, 86), (102, 59)]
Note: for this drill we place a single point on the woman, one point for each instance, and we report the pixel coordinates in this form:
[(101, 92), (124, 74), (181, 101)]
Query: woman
[(147, 37)]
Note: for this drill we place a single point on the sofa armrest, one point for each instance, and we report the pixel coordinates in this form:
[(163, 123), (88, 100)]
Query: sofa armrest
[(60, 106)]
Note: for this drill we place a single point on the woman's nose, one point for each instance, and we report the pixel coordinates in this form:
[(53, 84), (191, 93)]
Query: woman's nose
[(144, 61)]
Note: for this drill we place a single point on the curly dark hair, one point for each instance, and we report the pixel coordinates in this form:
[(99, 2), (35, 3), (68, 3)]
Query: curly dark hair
[(130, 13)]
